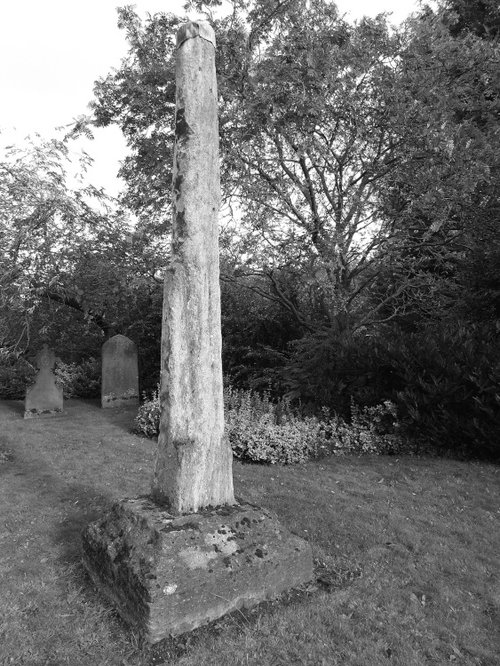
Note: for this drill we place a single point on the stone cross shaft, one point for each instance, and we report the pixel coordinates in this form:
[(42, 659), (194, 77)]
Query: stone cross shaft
[(193, 468)]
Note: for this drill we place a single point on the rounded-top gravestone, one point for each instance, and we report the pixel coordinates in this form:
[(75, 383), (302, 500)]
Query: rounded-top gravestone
[(45, 397), (120, 374)]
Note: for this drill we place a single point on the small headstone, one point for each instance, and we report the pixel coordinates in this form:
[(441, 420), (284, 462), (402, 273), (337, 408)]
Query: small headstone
[(120, 375), (44, 398)]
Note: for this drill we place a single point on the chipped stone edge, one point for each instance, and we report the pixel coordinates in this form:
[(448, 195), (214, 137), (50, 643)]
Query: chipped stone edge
[(41, 413), (195, 29), (160, 521)]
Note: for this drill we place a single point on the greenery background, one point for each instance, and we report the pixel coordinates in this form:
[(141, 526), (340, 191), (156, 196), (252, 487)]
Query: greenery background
[(359, 235)]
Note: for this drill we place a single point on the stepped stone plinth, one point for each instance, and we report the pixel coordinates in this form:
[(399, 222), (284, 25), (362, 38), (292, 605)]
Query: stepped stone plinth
[(167, 574)]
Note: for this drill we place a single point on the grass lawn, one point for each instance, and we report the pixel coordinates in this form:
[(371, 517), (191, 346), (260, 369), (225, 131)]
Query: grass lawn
[(408, 552)]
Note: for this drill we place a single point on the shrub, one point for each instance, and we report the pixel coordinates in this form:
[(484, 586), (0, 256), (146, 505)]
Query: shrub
[(264, 440), (79, 380), (450, 400), (443, 377), (15, 375), (371, 430), (325, 369), (261, 430), (147, 421)]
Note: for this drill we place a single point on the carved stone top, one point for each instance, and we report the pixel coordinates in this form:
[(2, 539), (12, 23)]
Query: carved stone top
[(193, 29), (45, 358)]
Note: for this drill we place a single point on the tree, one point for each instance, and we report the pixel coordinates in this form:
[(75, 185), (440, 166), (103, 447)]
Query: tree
[(140, 99), (40, 220), (360, 177), (482, 17), (443, 200), (443, 195), (306, 129), (71, 268)]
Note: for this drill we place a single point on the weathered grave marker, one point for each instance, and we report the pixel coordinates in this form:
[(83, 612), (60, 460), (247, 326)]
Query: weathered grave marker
[(120, 375), (194, 462), (44, 397), (189, 553)]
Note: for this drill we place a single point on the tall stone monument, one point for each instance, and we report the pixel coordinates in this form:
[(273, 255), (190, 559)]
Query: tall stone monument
[(189, 553), (192, 421), (120, 374), (44, 397)]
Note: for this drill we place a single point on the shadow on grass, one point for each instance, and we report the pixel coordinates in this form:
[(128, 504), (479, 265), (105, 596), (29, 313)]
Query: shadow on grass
[(6, 454), (79, 504), (83, 506), (119, 417), (14, 406)]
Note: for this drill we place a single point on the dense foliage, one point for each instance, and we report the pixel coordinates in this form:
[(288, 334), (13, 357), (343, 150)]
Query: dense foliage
[(260, 430), (360, 248), (73, 270)]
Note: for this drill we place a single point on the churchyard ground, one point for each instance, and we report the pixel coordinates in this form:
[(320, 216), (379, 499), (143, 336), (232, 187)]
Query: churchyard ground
[(407, 554)]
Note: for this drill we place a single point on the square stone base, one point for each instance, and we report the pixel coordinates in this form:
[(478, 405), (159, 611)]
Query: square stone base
[(167, 574), (42, 413), (113, 401)]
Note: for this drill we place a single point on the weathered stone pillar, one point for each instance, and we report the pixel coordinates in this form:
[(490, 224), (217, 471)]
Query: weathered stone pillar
[(168, 573), (194, 461)]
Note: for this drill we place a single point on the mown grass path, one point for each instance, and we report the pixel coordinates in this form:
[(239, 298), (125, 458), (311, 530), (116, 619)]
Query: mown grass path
[(410, 548)]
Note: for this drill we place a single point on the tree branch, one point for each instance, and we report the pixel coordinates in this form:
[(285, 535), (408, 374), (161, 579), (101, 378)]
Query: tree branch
[(73, 303)]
